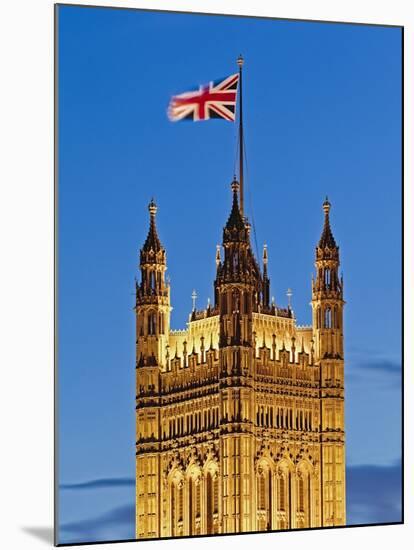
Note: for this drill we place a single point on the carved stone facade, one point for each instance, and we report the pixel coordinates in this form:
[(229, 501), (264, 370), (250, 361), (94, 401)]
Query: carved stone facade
[(240, 418)]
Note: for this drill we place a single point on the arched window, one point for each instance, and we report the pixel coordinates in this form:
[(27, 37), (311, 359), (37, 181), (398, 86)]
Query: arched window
[(176, 507), (328, 317), (193, 506), (264, 500), (152, 323), (303, 499)]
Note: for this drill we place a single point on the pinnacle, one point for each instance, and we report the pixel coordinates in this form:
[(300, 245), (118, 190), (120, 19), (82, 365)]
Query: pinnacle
[(327, 239), (152, 242)]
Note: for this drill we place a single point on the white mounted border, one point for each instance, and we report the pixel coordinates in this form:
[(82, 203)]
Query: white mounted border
[(26, 274)]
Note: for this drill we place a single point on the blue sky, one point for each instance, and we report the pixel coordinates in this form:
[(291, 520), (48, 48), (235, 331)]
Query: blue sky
[(322, 105)]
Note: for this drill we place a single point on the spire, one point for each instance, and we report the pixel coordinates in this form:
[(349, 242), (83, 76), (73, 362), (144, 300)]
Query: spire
[(235, 220), (152, 242), (265, 256), (194, 298), (289, 295), (327, 239), (218, 255)]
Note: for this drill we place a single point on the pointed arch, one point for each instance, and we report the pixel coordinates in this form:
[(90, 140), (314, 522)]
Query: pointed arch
[(264, 493), (318, 317), (175, 482), (211, 476), (328, 317), (304, 506), (284, 479), (193, 498)]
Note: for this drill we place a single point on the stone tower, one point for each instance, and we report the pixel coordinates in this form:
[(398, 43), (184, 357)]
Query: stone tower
[(240, 422), (238, 289), (327, 308), (152, 334)]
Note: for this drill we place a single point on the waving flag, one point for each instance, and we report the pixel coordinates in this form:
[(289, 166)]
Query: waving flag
[(214, 100)]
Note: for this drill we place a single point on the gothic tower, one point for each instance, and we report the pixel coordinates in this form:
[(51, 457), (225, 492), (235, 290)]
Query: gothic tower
[(327, 307), (238, 290), (152, 330), (241, 427)]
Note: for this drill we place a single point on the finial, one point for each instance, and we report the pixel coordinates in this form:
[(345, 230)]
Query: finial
[(194, 298), (218, 255), (208, 303), (289, 295), (265, 254), (273, 300), (235, 185), (240, 61), (152, 207), (326, 205)]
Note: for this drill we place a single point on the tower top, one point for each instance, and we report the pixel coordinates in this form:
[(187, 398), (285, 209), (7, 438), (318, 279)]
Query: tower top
[(152, 207), (152, 242), (265, 258), (326, 205), (235, 185), (327, 239), (235, 220)]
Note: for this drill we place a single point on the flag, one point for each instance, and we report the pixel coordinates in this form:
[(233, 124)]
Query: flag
[(214, 100)]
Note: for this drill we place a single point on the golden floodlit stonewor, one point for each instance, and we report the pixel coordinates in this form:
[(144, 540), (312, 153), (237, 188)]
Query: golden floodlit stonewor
[(240, 417)]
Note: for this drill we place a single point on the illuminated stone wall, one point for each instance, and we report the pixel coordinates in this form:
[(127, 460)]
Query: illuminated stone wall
[(240, 417)]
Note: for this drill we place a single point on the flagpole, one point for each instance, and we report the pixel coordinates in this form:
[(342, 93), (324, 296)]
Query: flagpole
[(240, 62)]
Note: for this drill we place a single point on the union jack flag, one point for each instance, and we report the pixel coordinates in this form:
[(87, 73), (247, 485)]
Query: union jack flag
[(214, 100)]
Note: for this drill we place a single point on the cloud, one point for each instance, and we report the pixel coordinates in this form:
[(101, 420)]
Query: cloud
[(386, 371), (386, 366), (374, 494), (115, 524), (103, 483)]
